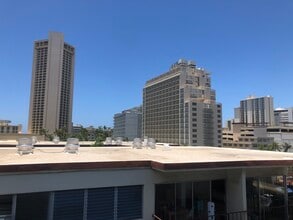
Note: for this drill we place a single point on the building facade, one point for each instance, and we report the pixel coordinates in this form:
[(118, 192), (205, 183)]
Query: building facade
[(179, 107), (52, 85), (6, 128), (283, 116), (128, 123), (282, 135), (257, 111), (242, 136)]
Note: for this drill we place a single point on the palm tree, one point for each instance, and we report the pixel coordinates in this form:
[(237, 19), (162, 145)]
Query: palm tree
[(286, 147)]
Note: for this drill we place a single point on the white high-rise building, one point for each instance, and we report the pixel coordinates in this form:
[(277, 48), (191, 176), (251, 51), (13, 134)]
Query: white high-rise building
[(257, 111), (283, 116), (127, 124), (52, 85), (180, 107)]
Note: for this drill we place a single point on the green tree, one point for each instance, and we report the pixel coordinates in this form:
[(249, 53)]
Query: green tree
[(275, 147), (62, 134), (98, 142), (45, 132), (286, 147), (83, 135), (102, 132)]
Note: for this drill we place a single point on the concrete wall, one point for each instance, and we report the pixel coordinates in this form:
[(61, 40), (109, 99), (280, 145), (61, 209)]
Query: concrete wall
[(17, 136)]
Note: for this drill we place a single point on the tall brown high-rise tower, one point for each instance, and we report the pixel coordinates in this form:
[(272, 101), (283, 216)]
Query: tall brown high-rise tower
[(52, 85)]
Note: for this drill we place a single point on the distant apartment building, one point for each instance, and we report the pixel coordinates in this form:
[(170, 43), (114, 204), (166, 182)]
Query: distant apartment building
[(76, 129), (283, 116), (180, 107), (6, 128), (239, 135), (84, 133), (52, 85), (128, 123), (256, 111), (281, 134)]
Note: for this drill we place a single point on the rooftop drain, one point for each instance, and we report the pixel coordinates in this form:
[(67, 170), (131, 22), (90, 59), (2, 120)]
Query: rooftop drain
[(25, 146), (72, 145)]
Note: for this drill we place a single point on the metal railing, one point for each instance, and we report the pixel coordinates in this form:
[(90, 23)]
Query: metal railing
[(156, 217), (240, 215)]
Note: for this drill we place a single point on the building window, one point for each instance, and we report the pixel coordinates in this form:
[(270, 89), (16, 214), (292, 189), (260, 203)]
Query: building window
[(32, 206), (100, 203), (5, 207), (68, 204)]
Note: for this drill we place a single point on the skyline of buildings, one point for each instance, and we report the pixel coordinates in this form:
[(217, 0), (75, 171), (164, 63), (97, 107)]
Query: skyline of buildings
[(256, 111), (254, 127), (118, 46), (238, 69), (52, 85), (179, 107)]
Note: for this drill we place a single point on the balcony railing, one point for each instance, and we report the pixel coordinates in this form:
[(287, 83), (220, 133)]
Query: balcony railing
[(156, 217), (241, 215)]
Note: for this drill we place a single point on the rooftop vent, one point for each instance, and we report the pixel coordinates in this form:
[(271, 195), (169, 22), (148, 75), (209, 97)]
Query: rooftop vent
[(108, 141), (56, 140), (72, 145), (34, 139), (137, 143), (166, 147), (25, 146), (119, 141), (151, 143)]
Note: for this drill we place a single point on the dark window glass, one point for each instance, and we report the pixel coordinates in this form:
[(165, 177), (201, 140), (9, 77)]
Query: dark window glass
[(32, 206), (129, 202), (100, 204), (68, 205)]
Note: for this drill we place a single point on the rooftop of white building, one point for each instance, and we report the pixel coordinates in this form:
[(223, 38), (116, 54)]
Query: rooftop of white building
[(161, 158)]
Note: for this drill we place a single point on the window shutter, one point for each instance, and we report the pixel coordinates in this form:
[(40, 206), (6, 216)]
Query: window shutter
[(100, 204), (129, 204), (68, 205)]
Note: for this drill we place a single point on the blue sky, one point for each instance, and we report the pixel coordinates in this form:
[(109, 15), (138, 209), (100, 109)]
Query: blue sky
[(246, 45)]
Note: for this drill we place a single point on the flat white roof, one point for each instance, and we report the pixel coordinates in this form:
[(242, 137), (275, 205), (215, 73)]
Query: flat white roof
[(53, 158)]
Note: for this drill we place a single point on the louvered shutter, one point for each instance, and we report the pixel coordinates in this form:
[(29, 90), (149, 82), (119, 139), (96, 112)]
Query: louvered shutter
[(68, 205), (100, 205), (129, 204)]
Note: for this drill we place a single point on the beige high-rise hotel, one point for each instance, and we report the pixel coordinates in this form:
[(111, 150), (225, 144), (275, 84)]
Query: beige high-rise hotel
[(52, 85), (180, 107)]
